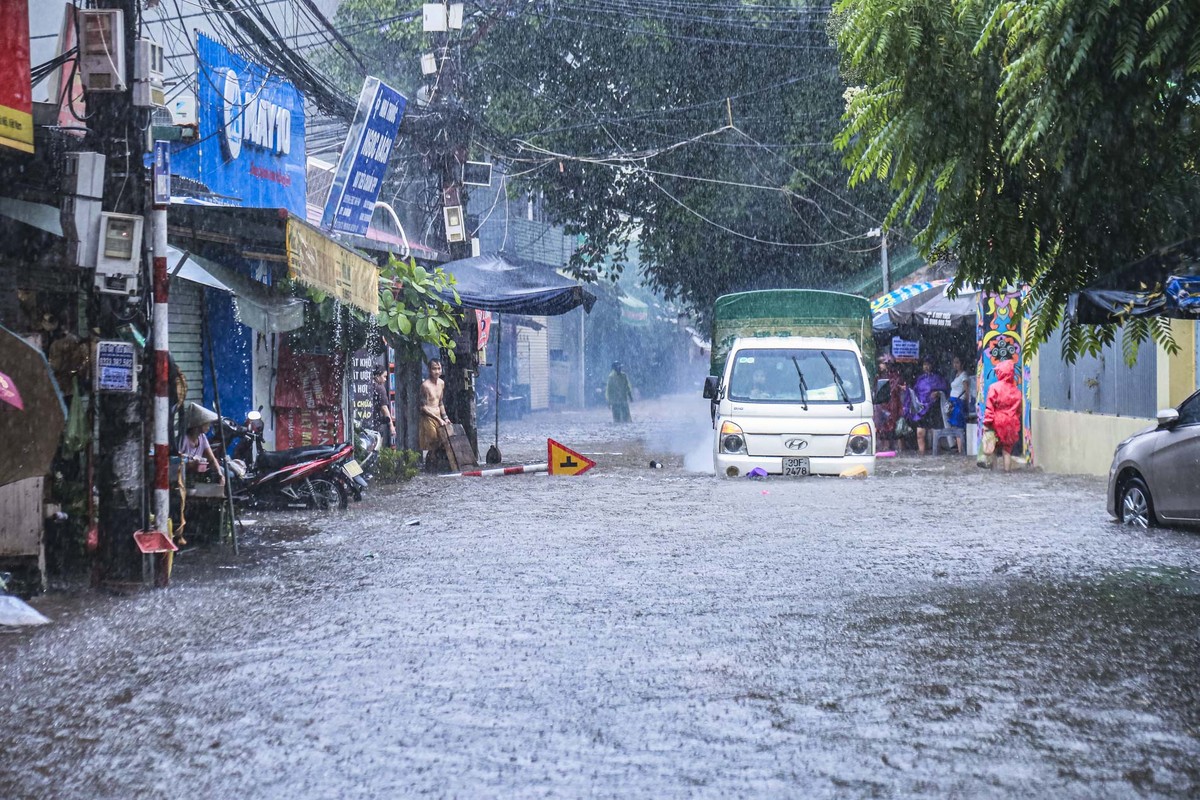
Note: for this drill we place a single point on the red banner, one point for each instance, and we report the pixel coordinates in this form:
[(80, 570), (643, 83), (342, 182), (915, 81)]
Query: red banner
[(308, 400), (484, 319), (16, 91), (301, 427), (72, 109)]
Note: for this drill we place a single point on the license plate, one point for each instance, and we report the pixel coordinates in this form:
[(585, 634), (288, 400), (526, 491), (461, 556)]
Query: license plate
[(795, 467), (353, 469)]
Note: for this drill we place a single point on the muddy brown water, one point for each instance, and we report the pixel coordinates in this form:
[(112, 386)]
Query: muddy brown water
[(935, 631)]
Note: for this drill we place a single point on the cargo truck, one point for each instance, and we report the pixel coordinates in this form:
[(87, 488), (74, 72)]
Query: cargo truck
[(789, 383)]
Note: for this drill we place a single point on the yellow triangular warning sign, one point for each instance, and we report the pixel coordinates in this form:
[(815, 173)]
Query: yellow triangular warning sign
[(565, 461)]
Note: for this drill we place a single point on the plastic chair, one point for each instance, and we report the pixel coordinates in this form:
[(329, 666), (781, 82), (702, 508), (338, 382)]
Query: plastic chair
[(949, 434)]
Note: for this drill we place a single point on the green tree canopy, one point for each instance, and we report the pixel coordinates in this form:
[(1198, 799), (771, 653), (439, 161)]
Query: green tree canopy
[(701, 130), (1047, 142)]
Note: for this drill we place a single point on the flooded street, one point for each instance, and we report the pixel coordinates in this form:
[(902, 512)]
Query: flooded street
[(934, 631)]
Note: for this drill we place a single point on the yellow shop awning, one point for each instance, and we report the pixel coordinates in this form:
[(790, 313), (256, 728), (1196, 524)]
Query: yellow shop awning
[(317, 261)]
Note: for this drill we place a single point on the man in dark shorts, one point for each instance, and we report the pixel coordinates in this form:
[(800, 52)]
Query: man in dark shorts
[(381, 407)]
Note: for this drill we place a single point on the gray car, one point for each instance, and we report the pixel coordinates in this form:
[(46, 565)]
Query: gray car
[(1155, 474)]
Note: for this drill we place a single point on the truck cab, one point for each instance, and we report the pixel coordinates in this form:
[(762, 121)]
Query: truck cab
[(792, 405)]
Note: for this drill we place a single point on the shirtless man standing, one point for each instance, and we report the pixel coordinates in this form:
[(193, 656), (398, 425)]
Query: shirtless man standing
[(433, 413)]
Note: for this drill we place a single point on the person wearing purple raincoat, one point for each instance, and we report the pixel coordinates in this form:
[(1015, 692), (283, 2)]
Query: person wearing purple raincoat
[(923, 402)]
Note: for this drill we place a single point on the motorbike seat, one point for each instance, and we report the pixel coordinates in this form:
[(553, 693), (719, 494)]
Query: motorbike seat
[(277, 459)]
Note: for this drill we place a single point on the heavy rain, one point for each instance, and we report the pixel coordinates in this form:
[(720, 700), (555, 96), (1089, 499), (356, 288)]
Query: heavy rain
[(635, 632), (618, 398)]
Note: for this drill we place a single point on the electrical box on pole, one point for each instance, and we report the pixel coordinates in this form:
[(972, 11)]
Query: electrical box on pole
[(148, 91), (102, 49), (435, 18), (456, 229), (83, 188), (119, 254)]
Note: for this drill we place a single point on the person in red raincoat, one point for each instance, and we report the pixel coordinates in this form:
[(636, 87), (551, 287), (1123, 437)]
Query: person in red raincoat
[(1003, 412), (889, 410)]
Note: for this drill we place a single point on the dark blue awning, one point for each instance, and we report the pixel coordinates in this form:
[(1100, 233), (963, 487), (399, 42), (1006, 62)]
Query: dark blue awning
[(510, 285)]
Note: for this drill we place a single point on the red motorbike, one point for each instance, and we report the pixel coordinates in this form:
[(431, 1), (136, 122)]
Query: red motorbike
[(304, 477)]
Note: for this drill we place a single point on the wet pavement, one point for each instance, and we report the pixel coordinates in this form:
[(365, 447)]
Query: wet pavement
[(934, 631)]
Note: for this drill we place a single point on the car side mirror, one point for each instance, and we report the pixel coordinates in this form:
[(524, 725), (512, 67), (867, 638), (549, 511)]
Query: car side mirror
[(1167, 417), (712, 385)]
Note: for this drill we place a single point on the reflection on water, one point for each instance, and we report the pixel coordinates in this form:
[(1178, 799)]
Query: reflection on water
[(934, 631)]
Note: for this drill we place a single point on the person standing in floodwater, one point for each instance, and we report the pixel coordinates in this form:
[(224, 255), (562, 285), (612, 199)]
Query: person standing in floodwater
[(433, 413), (1003, 411), (619, 393), (381, 408)]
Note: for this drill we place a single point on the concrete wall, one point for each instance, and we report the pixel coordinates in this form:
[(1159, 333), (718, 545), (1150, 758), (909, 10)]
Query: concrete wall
[(1077, 443)]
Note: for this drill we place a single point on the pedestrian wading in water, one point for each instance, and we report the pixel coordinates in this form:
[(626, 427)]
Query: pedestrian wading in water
[(1003, 414), (619, 393), (433, 415)]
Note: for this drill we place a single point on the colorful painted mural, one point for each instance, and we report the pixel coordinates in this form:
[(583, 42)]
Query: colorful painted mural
[(1000, 336)]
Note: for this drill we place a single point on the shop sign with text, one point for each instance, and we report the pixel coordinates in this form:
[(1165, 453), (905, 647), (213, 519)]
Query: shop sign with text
[(251, 147), (364, 160), (319, 262), (16, 91)]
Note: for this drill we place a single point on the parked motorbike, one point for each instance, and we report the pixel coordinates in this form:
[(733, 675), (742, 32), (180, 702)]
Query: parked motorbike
[(368, 443), (320, 476)]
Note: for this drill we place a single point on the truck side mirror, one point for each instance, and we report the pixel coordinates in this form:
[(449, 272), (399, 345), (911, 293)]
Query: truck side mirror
[(712, 384)]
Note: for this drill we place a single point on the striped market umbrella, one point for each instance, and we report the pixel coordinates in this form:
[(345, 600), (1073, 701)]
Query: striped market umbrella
[(886, 301)]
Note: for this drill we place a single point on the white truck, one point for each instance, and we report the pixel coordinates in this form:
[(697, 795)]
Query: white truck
[(788, 403)]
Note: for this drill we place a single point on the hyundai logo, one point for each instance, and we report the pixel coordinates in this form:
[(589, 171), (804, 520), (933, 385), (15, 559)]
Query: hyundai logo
[(796, 444)]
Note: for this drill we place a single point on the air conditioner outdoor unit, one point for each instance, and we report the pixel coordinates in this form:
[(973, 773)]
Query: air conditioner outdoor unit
[(102, 49)]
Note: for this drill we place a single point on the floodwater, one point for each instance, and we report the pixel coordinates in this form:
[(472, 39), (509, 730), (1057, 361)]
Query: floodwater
[(934, 631)]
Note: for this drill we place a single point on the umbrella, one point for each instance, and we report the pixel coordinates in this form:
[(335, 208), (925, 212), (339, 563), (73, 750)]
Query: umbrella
[(935, 308), (881, 322), (508, 284), (30, 430), (886, 301)]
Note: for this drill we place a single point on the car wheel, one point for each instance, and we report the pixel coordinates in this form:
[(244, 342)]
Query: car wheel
[(1136, 507)]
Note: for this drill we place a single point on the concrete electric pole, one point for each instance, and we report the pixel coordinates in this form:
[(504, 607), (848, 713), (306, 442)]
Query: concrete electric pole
[(450, 145), (118, 130)]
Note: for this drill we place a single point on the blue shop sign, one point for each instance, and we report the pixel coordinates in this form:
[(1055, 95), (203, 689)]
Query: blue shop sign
[(251, 148), (364, 160)]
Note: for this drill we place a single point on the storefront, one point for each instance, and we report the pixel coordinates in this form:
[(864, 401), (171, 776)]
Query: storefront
[(238, 211), (979, 327), (268, 260)]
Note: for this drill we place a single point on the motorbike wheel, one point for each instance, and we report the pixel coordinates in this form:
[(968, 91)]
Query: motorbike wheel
[(326, 494), (350, 488)]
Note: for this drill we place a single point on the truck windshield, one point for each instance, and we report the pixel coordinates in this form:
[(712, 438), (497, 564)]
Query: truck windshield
[(770, 376)]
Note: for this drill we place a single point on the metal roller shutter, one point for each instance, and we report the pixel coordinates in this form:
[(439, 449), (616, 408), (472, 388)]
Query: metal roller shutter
[(533, 367), (183, 331)]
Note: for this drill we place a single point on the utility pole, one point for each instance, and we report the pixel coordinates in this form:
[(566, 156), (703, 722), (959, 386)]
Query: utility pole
[(121, 446), (887, 271), (451, 143)]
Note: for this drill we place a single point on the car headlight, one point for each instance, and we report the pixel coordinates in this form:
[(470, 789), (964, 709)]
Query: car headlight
[(731, 438), (859, 443)]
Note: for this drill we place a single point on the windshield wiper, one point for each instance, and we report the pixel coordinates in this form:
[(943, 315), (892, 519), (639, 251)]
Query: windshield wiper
[(803, 385), (838, 380)]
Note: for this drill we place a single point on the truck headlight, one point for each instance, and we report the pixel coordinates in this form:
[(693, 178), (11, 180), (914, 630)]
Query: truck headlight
[(859, 443), (731, 438)]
